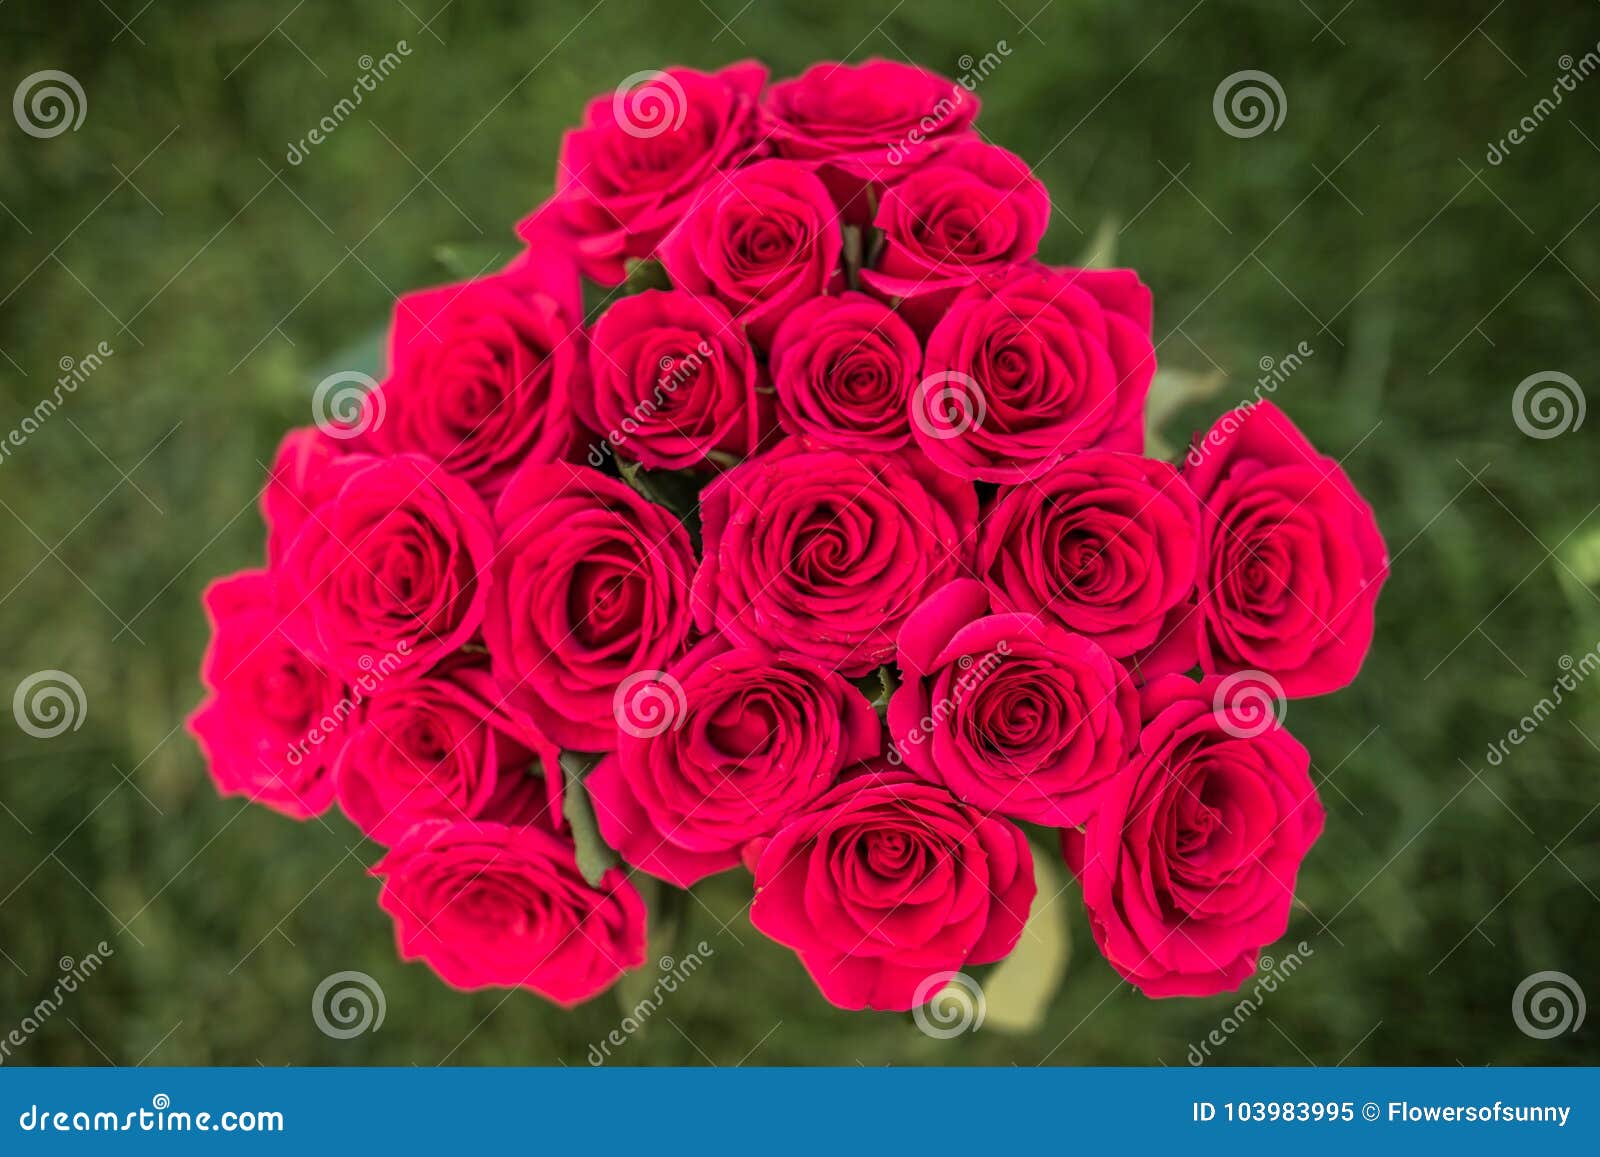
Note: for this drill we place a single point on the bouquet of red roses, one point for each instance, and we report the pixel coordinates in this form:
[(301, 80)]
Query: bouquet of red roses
[(824, 546)]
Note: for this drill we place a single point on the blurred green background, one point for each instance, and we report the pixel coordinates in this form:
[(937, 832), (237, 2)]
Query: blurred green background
[(1370, 225)]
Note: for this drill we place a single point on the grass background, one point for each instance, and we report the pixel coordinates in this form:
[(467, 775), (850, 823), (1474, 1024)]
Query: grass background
[(1369, 225)]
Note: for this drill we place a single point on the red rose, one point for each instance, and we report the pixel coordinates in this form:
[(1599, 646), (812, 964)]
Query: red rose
[(390, 571), (1106, 543), (271, 724), (1032, 364), (867, 122), (673, 381), (591, 585), (825, 552), (641, 155), (971, 210), (1188, 868), (1293, 557), (722, 749), (762, 240), (843, 368), (308, 469), (887, 882), (488, 905), (482, 378), (1013, 714), (444, 747)]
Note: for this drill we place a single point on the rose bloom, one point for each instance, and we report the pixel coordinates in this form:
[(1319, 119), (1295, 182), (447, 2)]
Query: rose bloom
[(1032, 364), (887, 884), (307, 470), (1293, 557), (1188, 868), (867, 123), (261, 726), (591, 584), (491, 905), (444, 747), (1013, 714), (826, 552), (1105, 543), (730, 743), (762, 240), (843, 368), (482, 377), (629, 172), (972, 209), (673, 381), (390, 570)]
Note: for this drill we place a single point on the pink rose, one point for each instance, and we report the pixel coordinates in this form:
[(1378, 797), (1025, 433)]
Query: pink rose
[(308, 469), (844, 368), (867, 123), (1188, 868), (762, 240), (971, 210), (1032, 364), (1010, 712), (722, 749), (630, 171), (388, 571), (1107, 544), (270, 727), (482, 377), (445, 747), (591, 584), (825, 552), (673, 381), (489, 905), (1293, 557), (887, 884)]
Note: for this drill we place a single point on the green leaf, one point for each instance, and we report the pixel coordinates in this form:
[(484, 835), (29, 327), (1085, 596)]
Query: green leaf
[(666, 906), (853, 253), (646, 274), (1017, 993), (677, 490), (1171, 390), (471, 259), (878, 686), (1101, 252), (594, 856)]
